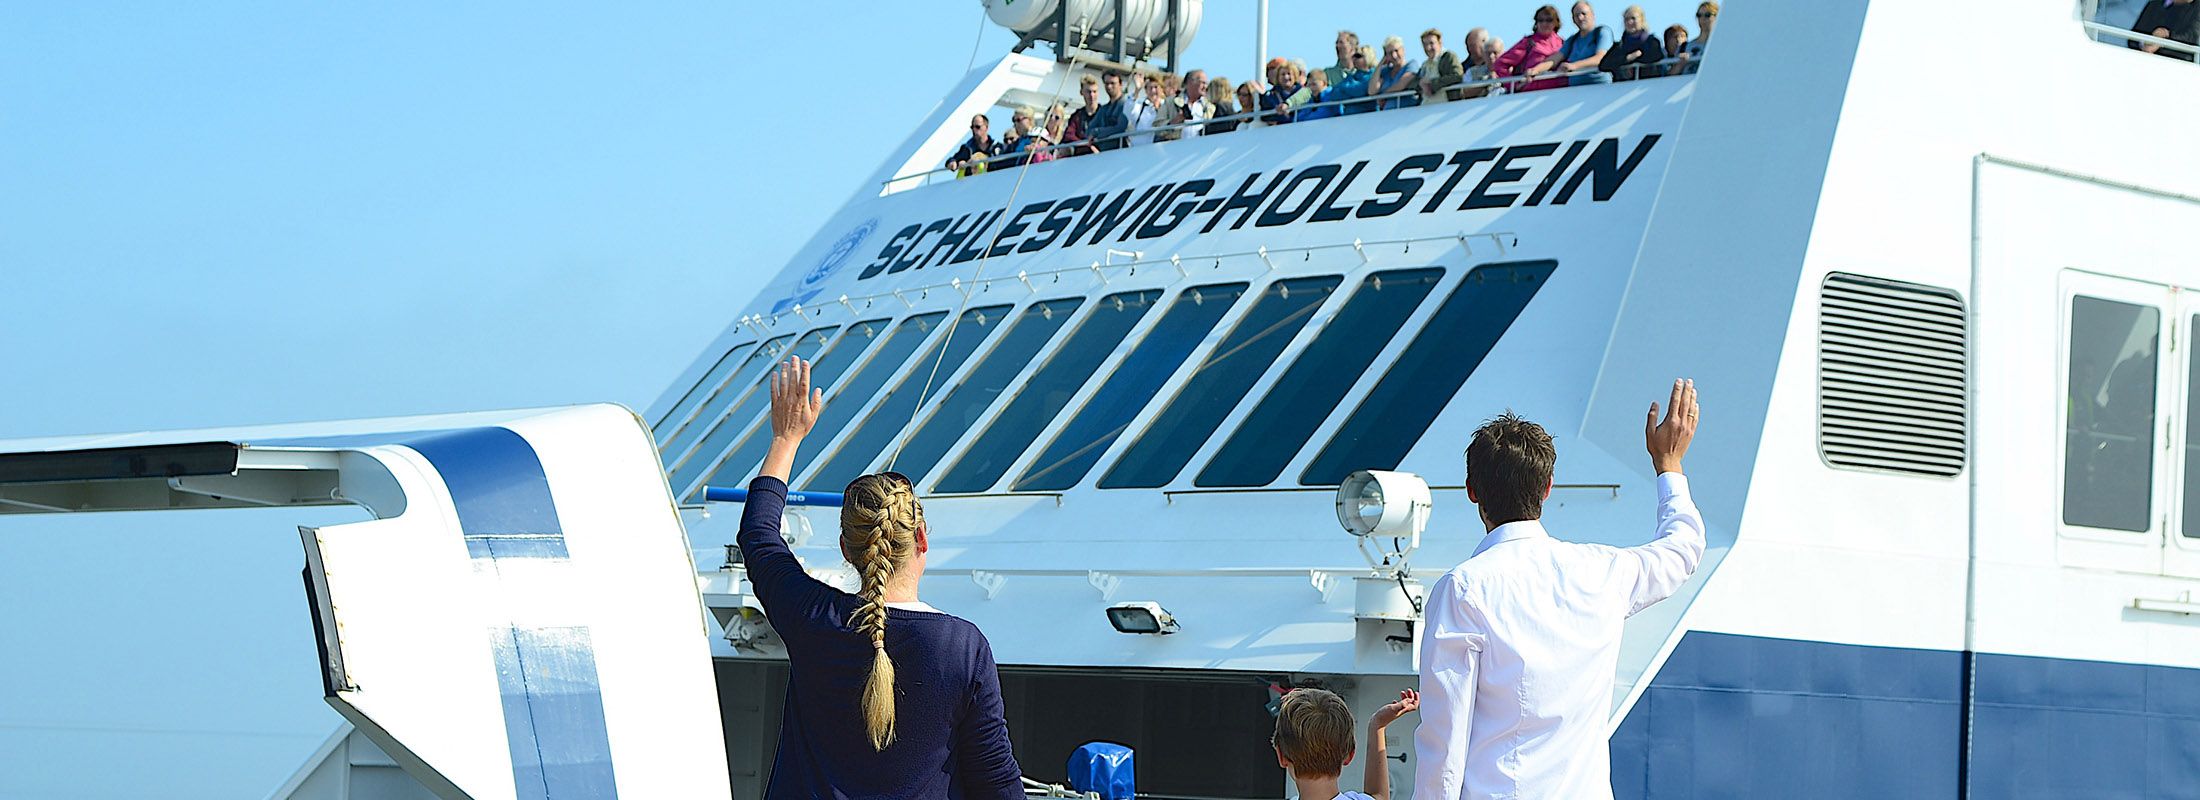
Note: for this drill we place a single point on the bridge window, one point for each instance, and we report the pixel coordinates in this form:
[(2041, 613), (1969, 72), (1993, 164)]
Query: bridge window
[(695, 394), (738, 467), (1071, 455), (842, 405), (1106, 328), (2108, 464), (677, 449), (1316, 383), (899, 409), (723, 429), (961, 405), (1431, 369), (1220, 382)]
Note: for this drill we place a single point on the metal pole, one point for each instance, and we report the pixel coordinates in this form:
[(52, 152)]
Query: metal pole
[(1061, 32), (1120, 14), (1260, 43), (1173, 13)]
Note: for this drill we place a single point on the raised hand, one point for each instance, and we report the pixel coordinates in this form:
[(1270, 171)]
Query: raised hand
[(1668, 441), (1408, 700), (795, 405)]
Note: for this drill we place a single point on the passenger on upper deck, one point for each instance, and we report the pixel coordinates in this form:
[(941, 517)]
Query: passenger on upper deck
[(1347, 43), (1676, 47), (1225, 106), (1051, 135), (1440, 70), (1022, 137), (1585, 49), (972, 158), (1707, 13), (1316, 91), (1636, 51), (1357, 83), (1109, 123), (1146, 113), (1482, 52), (1194, 104), (1079, 127), (1535, 53), (1249, 100), (2168, 19), (1396, 73)]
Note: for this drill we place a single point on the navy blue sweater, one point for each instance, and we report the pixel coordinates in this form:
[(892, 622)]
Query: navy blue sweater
[(950, 738)]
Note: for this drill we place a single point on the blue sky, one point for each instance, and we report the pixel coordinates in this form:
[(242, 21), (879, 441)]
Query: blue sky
[(229, 213)]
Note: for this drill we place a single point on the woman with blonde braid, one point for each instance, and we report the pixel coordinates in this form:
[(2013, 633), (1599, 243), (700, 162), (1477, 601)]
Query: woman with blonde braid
[(886, 697)]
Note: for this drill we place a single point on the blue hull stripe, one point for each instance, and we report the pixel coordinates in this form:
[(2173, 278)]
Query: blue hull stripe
[(1741, 716), (552, 698)]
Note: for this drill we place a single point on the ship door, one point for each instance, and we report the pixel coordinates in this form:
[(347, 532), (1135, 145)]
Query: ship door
[(2181, 542), (2116, 418)]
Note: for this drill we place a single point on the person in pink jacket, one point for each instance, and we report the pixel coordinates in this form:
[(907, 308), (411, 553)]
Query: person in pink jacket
[(1535, 53)]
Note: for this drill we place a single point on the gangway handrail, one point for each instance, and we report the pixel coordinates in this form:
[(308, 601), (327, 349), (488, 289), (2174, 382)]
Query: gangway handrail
[(1506, 85), (2135, 36), (728, 494)]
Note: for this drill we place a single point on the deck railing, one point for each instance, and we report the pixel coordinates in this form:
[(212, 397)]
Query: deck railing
[(1371, 103), (2103, 33)]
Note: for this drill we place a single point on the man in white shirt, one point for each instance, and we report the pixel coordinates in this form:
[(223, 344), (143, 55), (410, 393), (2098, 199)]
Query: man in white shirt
[(1196, 106), (1522, 639)]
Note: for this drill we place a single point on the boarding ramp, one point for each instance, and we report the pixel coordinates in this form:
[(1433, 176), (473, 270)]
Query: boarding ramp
[(518, 620)]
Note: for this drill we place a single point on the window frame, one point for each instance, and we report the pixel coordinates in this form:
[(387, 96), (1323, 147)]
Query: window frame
[(2180, 553), (1138, 422), (928, 401), (1106, 366), (1385, 363), (740, 348), (1016, 316), (2112, 548), (828, 448), (1317, 319), (1448, 278)]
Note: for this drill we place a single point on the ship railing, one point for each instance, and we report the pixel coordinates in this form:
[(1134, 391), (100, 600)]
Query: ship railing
[(2103, 33), (1369, 103)]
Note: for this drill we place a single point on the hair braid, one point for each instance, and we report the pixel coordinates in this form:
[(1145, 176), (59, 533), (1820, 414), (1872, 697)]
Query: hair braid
[(878, 520)]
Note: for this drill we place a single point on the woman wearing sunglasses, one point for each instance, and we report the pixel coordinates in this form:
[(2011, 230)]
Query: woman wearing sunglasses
[(850, 728), (1535, 53)]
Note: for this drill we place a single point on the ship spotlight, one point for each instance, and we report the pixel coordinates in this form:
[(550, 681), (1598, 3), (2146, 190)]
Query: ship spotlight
[(1141, 617), (1378, 503)]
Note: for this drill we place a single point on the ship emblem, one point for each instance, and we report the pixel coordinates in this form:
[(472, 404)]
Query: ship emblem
[(834, 258)]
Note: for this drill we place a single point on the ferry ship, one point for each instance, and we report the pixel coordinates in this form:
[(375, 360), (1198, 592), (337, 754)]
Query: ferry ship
[(1937, 314)]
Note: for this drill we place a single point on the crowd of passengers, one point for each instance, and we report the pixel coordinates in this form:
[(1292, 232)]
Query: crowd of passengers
[(1167, 107)]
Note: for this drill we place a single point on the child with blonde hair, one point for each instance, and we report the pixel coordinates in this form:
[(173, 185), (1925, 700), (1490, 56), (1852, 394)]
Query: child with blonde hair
[(1313, 742)]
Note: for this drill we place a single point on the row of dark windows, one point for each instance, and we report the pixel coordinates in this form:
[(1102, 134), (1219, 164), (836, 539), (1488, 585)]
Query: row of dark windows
[(717, 433)]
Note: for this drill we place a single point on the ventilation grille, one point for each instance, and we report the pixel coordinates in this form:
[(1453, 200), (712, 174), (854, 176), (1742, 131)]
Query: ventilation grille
[(1892, 377)]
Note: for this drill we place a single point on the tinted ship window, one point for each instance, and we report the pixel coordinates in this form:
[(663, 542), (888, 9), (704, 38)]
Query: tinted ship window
[(1265, 442), (739, 466), (842, 405), (898, 410), (677, 449), (1284, 308), (718, 374), (961, 405), (2108, 464), (1189, 319), (752, 403), (1035, 405), (1446, 351)]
